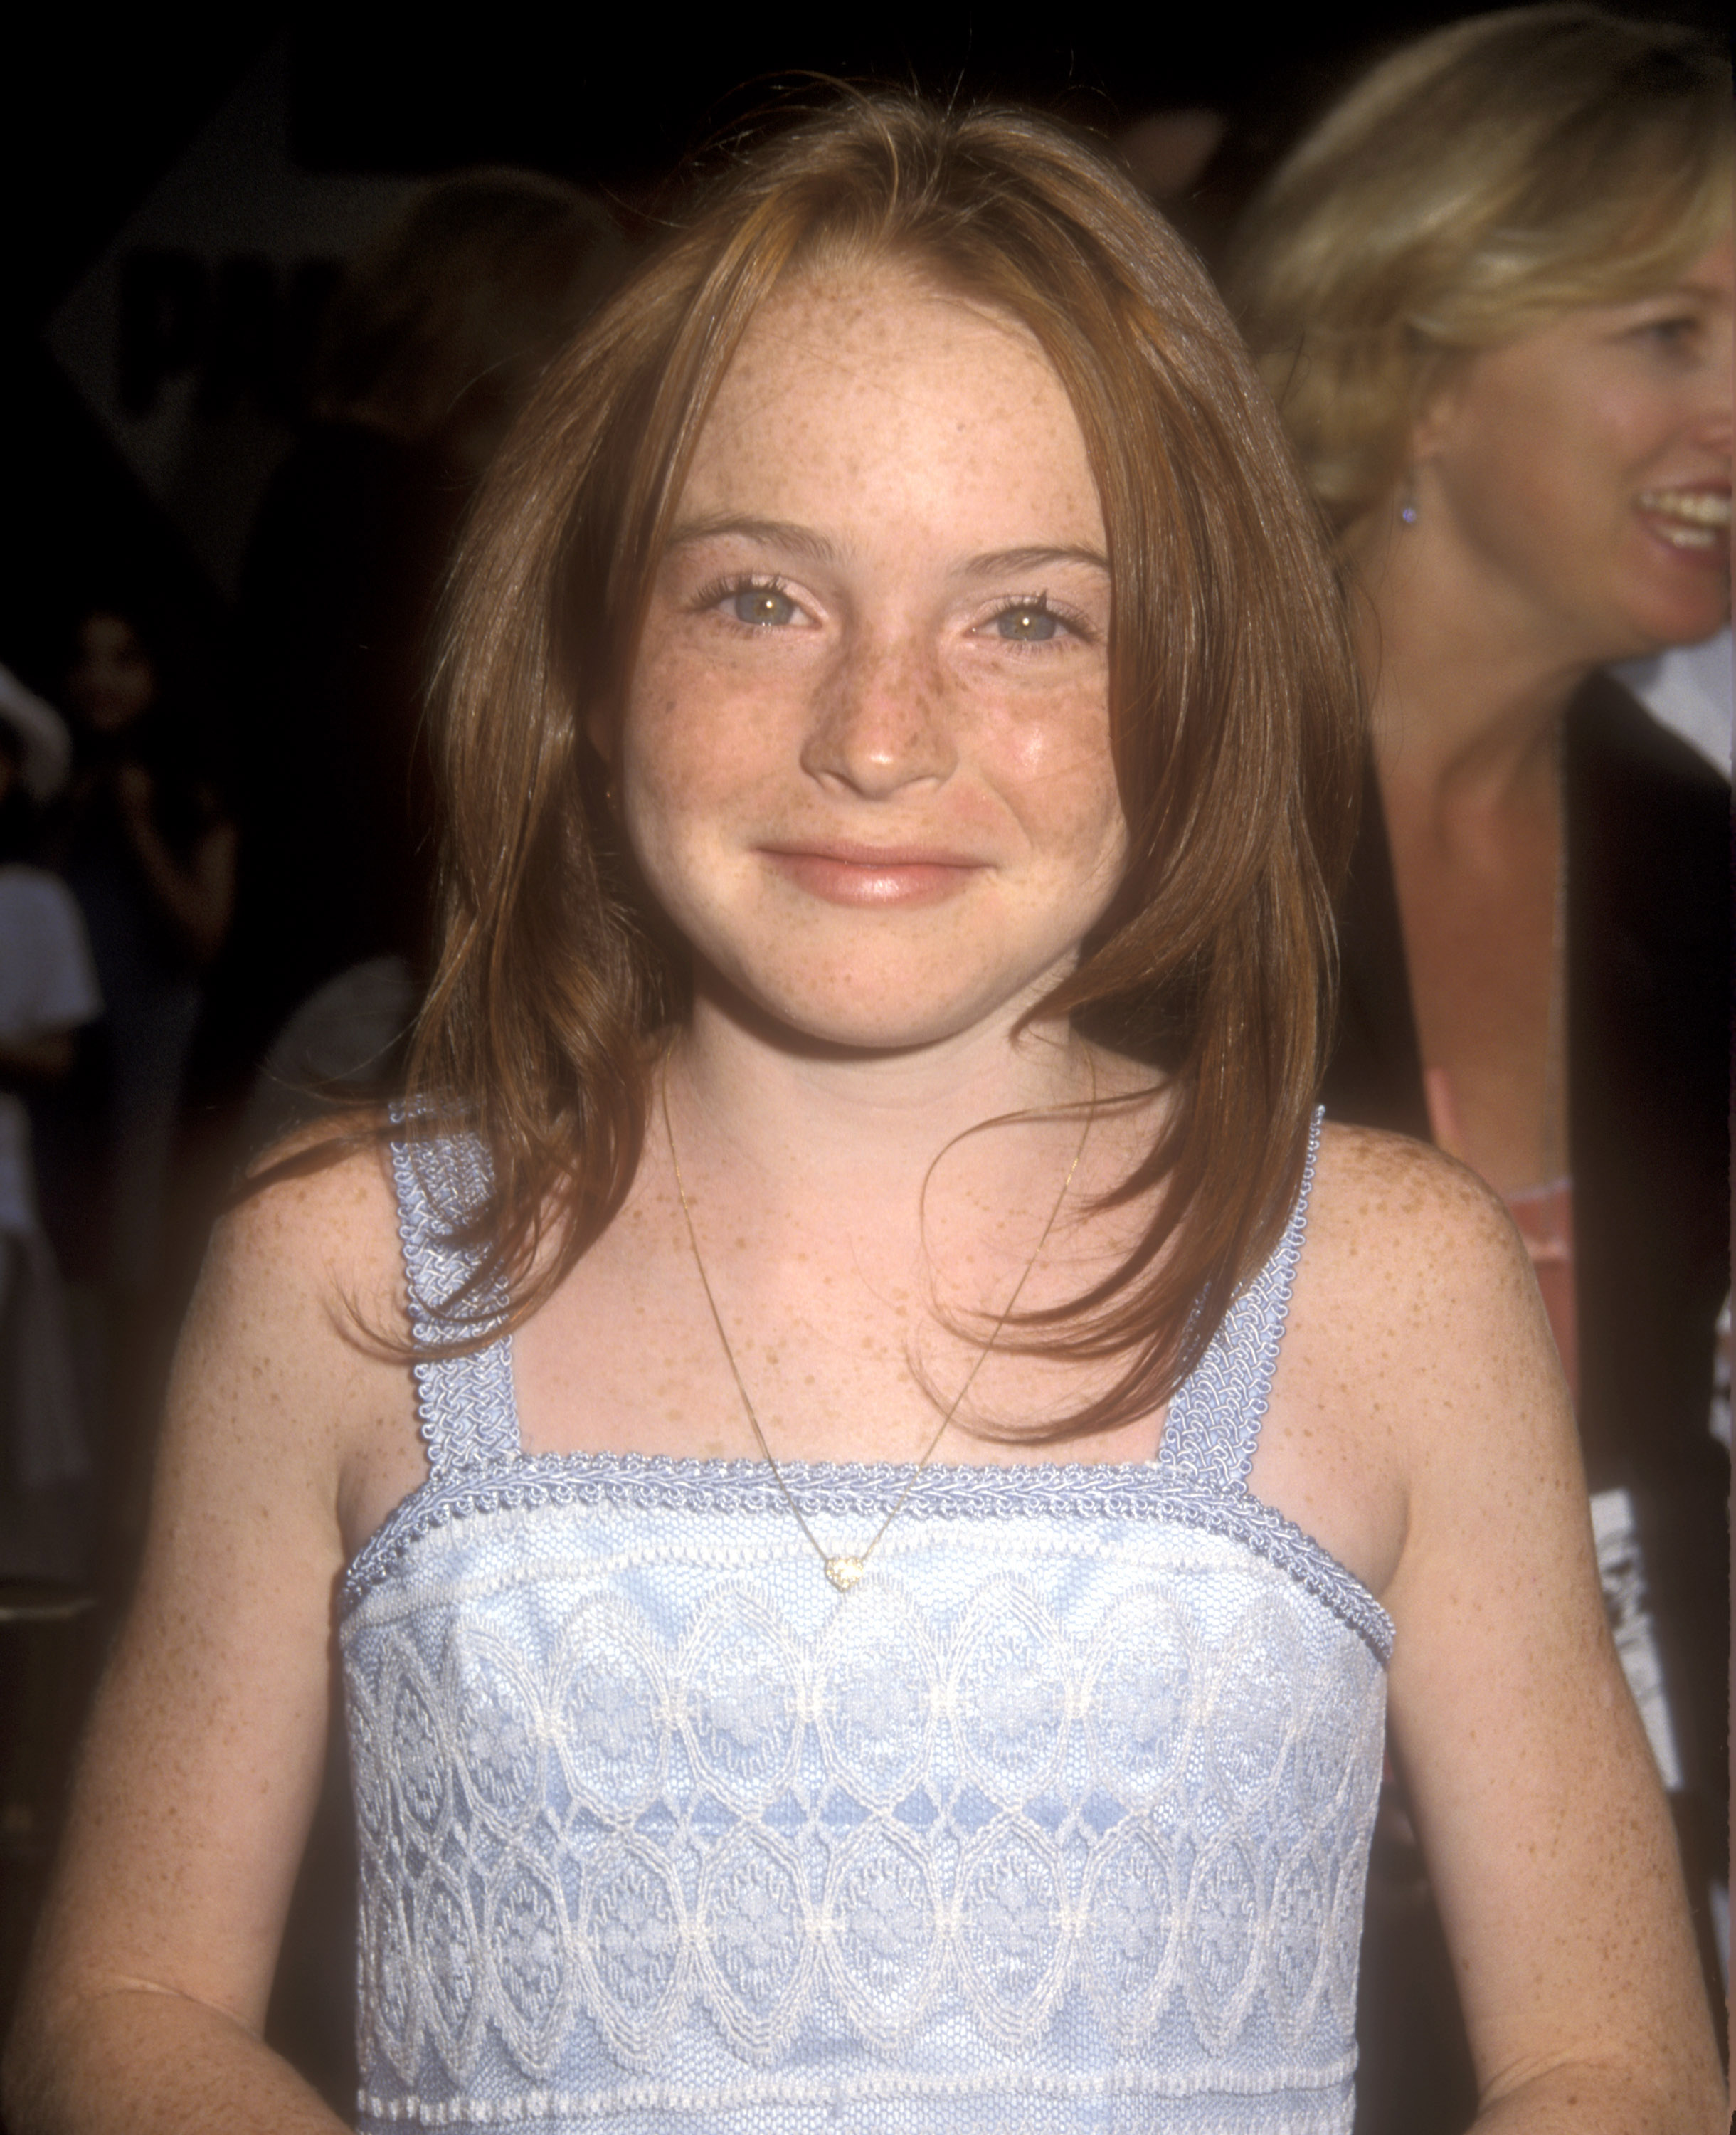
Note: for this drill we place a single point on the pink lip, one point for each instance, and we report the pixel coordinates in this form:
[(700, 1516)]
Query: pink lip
[(844, 874)]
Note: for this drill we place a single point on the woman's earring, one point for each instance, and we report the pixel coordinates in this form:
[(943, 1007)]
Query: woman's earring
[(1407, 501)]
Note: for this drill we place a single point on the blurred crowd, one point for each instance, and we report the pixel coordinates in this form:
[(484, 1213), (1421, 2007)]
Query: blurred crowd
[(216, 883), (1491, 290), (219, 858)]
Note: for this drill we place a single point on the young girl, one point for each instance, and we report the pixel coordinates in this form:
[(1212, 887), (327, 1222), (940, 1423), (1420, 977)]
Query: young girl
[(870, 1635)]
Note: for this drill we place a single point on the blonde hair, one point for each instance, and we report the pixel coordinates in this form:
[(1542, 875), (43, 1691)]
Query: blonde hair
[(1478, 182)]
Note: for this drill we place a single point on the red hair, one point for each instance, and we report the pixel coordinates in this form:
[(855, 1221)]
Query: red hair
[(1234, 700)]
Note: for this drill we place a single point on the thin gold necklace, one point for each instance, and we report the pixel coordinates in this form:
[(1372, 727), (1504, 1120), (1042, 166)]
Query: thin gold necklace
[(844, 1571)]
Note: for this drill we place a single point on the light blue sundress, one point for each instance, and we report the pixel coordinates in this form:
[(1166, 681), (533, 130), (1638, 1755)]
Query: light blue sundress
[(1058, 1821)]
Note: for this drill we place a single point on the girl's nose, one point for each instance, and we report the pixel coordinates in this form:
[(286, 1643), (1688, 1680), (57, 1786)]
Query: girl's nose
[(881, 721)]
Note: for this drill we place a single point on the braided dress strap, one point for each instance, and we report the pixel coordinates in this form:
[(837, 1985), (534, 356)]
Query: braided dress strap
[(465, 1403), (1213, 1425)]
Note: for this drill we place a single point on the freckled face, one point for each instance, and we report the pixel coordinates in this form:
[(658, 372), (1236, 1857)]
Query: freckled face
[(1589, 463), (864, 761)]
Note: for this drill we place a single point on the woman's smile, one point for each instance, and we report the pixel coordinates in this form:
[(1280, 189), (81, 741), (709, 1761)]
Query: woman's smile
[(1693, 521)]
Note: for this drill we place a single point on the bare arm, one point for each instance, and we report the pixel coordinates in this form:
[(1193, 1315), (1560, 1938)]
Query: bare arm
[(147, 1987), (1545, 1828)]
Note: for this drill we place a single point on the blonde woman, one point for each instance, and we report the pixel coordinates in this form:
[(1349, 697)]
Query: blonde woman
[(1492, 289)]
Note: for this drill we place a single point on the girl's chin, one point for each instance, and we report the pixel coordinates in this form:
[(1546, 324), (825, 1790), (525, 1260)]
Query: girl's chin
[(859, 1016), (867, 1033)]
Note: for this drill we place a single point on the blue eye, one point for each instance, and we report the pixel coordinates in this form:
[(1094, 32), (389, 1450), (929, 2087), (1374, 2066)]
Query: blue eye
[(763, 607), (1029, 623)]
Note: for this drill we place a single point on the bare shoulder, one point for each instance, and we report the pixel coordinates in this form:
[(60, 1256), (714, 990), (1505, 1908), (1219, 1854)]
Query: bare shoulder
[(203, 1760), (1414, 1336), (299, 1309), (1376, 1195), (312, 1206), (1427, 1367), (1417, 1265)]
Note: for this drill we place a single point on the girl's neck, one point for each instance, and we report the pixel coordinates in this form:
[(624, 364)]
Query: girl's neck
[(858, 1127)]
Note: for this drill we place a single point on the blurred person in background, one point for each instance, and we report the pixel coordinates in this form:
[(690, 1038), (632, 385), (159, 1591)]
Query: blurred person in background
[(436, 336), (145, 839), (48, 994), (1492, 289), (1689, 688)]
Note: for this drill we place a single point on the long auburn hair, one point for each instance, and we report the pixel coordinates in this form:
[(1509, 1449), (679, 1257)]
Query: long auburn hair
[(1234, 709)]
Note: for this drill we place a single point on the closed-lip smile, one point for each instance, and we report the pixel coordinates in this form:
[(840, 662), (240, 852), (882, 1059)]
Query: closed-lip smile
[(844, 872)]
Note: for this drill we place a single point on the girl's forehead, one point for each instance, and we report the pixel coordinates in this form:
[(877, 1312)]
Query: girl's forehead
[(859, 380), (831, 324)]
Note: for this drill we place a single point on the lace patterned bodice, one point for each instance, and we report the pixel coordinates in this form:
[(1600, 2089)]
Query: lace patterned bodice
[(1058, 1821)]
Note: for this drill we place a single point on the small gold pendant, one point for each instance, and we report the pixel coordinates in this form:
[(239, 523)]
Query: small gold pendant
[(844, 1572)]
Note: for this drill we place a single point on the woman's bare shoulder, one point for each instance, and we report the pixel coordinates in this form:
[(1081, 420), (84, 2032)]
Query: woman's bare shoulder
[(1392, 1306), (203, 1760), (1385, 1179), (1531, 1782)]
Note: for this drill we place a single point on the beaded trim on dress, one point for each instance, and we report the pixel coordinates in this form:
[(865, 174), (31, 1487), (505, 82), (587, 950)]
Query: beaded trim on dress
[(652, 1483)]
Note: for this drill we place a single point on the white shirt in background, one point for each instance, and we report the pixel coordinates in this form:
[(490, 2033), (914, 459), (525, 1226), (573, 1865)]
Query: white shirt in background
[(1689, 688)]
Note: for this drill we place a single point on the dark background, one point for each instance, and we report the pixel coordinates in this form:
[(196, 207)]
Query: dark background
[(101, 106)]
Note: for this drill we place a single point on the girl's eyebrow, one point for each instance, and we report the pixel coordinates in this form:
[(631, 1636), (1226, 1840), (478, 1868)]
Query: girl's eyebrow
[(818, 548), (768, 533), (998, 560)]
